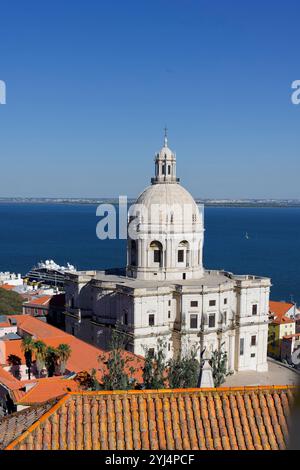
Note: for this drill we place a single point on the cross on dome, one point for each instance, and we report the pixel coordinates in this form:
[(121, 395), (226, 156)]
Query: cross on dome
[(166, 137)]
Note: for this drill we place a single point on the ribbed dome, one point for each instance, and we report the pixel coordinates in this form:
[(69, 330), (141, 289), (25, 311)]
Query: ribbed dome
[(165, 193), (165, 202)]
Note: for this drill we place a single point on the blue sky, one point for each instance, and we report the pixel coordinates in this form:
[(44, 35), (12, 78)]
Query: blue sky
[(91, 85)]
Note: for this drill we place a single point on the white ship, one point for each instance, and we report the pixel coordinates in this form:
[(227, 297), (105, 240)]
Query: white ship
[(50, 273)]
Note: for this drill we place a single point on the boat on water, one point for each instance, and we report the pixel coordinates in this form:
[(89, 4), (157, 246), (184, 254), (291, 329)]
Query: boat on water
[(247, 236), (50, 273)]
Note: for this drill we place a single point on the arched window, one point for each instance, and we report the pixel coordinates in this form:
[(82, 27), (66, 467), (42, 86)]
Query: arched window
[(183, 253), (156, 253)]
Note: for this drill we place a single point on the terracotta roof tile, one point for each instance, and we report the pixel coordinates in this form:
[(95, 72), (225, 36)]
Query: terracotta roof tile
[(7, 287), (43, 300), (278, 311), (84, 356), (279, 308), (13, 426), (244, 418)]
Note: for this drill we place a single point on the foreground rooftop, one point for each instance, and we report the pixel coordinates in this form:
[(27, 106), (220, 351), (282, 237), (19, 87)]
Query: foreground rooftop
[(247, 418)]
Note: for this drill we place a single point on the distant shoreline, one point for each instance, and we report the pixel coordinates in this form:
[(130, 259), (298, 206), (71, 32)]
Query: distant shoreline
[(263, 203)]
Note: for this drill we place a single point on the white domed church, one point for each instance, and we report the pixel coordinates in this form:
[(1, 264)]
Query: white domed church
[(166, 292)]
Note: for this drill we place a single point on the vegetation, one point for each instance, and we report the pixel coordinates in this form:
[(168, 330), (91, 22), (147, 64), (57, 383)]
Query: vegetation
[(15, 363), (64, 352), (10, 303), (184, 372), (117, 377), (46, 356), (88, 381), (40, 350), (28, 348), (154, 372), (51, 360), (218, 363)]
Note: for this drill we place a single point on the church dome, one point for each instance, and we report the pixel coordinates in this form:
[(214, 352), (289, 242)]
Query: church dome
[(165, 227), (168, 203), (165, 193)]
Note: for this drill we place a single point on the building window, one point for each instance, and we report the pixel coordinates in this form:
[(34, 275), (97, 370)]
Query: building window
[(169, 169), (254, 309), (253, 340), (169, 346), (151, 319), (180, 256), (184, 276), (212, 303), (211, 321), (225, 301), (169, 314), (193, 321), (169, 303), (253, 355), (225, 317), (125, 318), (241, 346), (194, 303), (157, 256)]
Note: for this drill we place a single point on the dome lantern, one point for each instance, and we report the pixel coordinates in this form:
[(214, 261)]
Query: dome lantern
[(165, 164)]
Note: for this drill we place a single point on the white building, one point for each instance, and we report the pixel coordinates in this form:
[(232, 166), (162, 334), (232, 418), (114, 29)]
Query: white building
[(10, 278), (166, 292)]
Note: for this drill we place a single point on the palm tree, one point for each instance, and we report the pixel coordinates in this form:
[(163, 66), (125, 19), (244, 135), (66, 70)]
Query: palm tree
[(28, 348), (64, 352), (51, 360), (40, 349)]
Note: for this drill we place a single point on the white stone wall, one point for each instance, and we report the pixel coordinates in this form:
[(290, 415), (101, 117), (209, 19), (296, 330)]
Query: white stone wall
[(231, 303)]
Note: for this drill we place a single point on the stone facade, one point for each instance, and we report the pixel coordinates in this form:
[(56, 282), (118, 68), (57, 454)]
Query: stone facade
[(166, 293)]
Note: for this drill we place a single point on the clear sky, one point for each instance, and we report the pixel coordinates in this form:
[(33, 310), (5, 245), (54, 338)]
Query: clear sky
[(91, 85)]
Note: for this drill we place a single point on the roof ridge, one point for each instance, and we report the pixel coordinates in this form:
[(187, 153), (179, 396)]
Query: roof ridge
[(40, 420), (245, 388)]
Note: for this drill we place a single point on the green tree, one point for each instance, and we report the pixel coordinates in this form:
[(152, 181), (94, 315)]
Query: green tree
[(40, 349), (218, 363), (11, 303), (64, 352), (183, 372), (117, 364), (15, 363), (88, 380), (154, 371), (28, 348), (51, 360)]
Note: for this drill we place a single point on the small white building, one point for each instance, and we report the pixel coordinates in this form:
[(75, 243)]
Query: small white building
[(10, 278), (166, 292)]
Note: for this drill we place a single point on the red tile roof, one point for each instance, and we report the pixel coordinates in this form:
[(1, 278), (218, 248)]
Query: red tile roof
[(8, 380), (12, 426), (46, 389), (44, 300), (248, 418), (7, 286), (84, 356), (295, 335), (278, 310)]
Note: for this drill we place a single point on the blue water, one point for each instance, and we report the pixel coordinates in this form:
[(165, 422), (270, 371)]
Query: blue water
[(33, 232)]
